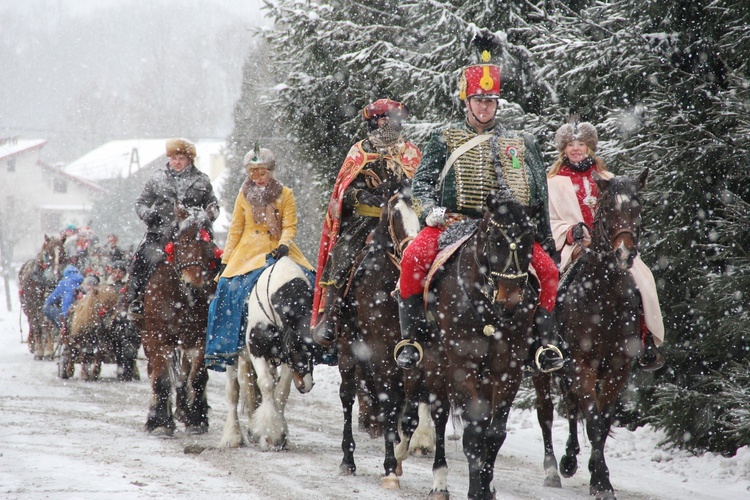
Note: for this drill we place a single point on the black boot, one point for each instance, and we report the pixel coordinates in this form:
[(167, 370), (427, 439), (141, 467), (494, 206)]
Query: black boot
[(324, 332), (650, 359), (546, 357), (408, 352), (136, 283)]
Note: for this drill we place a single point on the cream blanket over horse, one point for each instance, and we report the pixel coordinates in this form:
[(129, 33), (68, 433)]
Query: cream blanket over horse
[(564, 212)]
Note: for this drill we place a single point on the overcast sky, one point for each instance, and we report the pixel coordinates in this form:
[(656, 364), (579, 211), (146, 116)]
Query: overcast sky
[(78, 72)]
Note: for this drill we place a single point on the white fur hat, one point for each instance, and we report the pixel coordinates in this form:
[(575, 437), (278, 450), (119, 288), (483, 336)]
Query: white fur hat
[(574, 131)]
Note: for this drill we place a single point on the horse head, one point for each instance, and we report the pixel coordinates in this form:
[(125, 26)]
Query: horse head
[(52, 259), (617, 222), (193, 245), (398, 215), (505, 241)]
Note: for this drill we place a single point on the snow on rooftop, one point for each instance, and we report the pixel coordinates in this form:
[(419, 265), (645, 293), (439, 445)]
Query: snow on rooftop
[(12, 145), (120, 159)]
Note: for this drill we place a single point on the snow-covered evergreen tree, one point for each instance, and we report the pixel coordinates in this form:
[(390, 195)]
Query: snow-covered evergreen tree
[(668, 85)]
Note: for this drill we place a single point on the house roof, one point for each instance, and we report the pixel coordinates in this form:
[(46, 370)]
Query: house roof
[(74, 178), (122, 158), (12, 146)]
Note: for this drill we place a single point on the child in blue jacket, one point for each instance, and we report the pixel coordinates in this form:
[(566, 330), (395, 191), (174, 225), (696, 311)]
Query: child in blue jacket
[(59, 301)]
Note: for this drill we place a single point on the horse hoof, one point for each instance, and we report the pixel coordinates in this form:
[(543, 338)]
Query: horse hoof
[(552, 481), (439, 495), (195, 430), (602, 495), (568, 466), (390, 482), (162, 432), (347, 470), (38, 357)]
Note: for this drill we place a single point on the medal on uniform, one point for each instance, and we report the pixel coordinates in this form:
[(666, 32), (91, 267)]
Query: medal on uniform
[(512, 153)]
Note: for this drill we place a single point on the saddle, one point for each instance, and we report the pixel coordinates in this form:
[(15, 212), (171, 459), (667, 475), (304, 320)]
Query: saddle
[(449, 242)]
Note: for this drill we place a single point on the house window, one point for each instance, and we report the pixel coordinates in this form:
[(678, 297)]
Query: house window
[(12, 165), (60, 185)]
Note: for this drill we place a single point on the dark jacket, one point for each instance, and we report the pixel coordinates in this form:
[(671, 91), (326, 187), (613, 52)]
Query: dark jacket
[(65, 292), (155, 205)]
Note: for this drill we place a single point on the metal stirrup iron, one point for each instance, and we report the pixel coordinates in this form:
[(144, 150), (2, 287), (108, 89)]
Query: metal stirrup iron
[(548, 347), (404, 343)]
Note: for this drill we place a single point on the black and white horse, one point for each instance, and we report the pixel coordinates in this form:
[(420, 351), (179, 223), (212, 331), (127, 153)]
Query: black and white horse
[(278, 349)]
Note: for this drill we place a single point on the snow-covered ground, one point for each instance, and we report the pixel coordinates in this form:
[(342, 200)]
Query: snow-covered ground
[(75, 439)]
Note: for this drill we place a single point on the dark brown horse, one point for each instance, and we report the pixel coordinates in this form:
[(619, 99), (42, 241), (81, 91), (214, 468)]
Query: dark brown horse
[(36, 280), (598, 310), (173, 330), (366, 346), (483, 308)]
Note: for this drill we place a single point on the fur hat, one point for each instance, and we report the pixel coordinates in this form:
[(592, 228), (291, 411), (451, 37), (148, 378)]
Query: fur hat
[(385, 107), (180, 146), (259, 157), (574, 131)]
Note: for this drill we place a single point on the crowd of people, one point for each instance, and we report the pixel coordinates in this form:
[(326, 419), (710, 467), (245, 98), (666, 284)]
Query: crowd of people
[(461, 165)]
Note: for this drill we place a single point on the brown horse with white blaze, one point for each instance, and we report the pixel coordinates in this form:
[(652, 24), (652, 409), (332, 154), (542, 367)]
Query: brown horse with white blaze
[(598, 309), (173, 329), (37, 278)]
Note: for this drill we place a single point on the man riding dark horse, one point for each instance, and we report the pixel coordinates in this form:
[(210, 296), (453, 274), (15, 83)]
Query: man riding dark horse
[(179, 181), (354, 209), (462, 164)]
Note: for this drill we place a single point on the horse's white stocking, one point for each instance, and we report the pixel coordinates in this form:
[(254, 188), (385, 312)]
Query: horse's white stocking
[(232, 436), (423, 440), (246, 378), (268, 424), (283, 386), (439, 484)]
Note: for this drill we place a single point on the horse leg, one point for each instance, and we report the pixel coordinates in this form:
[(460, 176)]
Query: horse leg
[(283, 386), (160, 420), (390, 411), (597, 430), (248, 386), (347, 393), (569, 461), (232, 435), (440, 414), (49, 344), (495, 437), (423, 440), (197, 402), (269, 425), (545, 416)]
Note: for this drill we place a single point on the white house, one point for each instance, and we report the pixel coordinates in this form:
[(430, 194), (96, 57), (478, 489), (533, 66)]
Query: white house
[(37, 198)]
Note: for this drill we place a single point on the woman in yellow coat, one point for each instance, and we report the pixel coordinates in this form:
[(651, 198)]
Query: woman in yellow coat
[(264, 224)]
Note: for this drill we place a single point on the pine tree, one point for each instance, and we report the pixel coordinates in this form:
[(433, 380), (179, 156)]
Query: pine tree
[(667, 84)]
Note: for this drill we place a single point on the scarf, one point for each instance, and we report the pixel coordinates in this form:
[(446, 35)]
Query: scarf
[(582, 166), (261, 200)]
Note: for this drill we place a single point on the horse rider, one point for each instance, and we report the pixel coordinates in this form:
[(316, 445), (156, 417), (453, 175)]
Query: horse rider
[(263, 228), (57, 304), (179, 181), (354, 208), (462, 164), (573, 198)]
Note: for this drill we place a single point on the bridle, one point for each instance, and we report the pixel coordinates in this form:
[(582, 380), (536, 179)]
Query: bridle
[(202, 234), (607, 242), (511, 269)]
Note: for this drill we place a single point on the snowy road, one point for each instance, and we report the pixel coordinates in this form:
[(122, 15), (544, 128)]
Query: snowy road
[(75, 439)]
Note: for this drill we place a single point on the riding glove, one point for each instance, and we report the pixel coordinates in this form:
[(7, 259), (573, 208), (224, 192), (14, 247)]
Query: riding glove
[(436, 217), (280, 251), (367, 198), (151, 217)]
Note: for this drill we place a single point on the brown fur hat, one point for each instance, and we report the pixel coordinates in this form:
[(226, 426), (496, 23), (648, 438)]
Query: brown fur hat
[(180, 146), (574, 131)]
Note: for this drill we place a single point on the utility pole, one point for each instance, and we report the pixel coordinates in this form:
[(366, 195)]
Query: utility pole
[(5, 264)]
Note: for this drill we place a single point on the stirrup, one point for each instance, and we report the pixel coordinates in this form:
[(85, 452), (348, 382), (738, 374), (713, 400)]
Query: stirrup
[(542, 350), (404, 343)]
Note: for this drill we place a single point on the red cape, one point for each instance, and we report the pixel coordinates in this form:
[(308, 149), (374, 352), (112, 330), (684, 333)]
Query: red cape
[(354, 162)]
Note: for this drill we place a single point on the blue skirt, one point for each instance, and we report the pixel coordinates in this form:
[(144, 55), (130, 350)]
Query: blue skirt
[(227, 317)]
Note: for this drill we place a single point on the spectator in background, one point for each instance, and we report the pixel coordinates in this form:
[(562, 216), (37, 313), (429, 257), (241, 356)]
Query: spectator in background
[(58, 303)]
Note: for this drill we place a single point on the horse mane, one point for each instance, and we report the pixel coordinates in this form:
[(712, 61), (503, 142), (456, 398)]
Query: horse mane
[(86, 311)]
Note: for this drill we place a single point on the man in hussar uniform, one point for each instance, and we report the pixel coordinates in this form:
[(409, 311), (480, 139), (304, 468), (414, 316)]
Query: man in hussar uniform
[(461, 165), (181, 181)]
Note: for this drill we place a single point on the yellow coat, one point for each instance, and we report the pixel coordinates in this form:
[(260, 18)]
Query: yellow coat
[(248, 243)]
